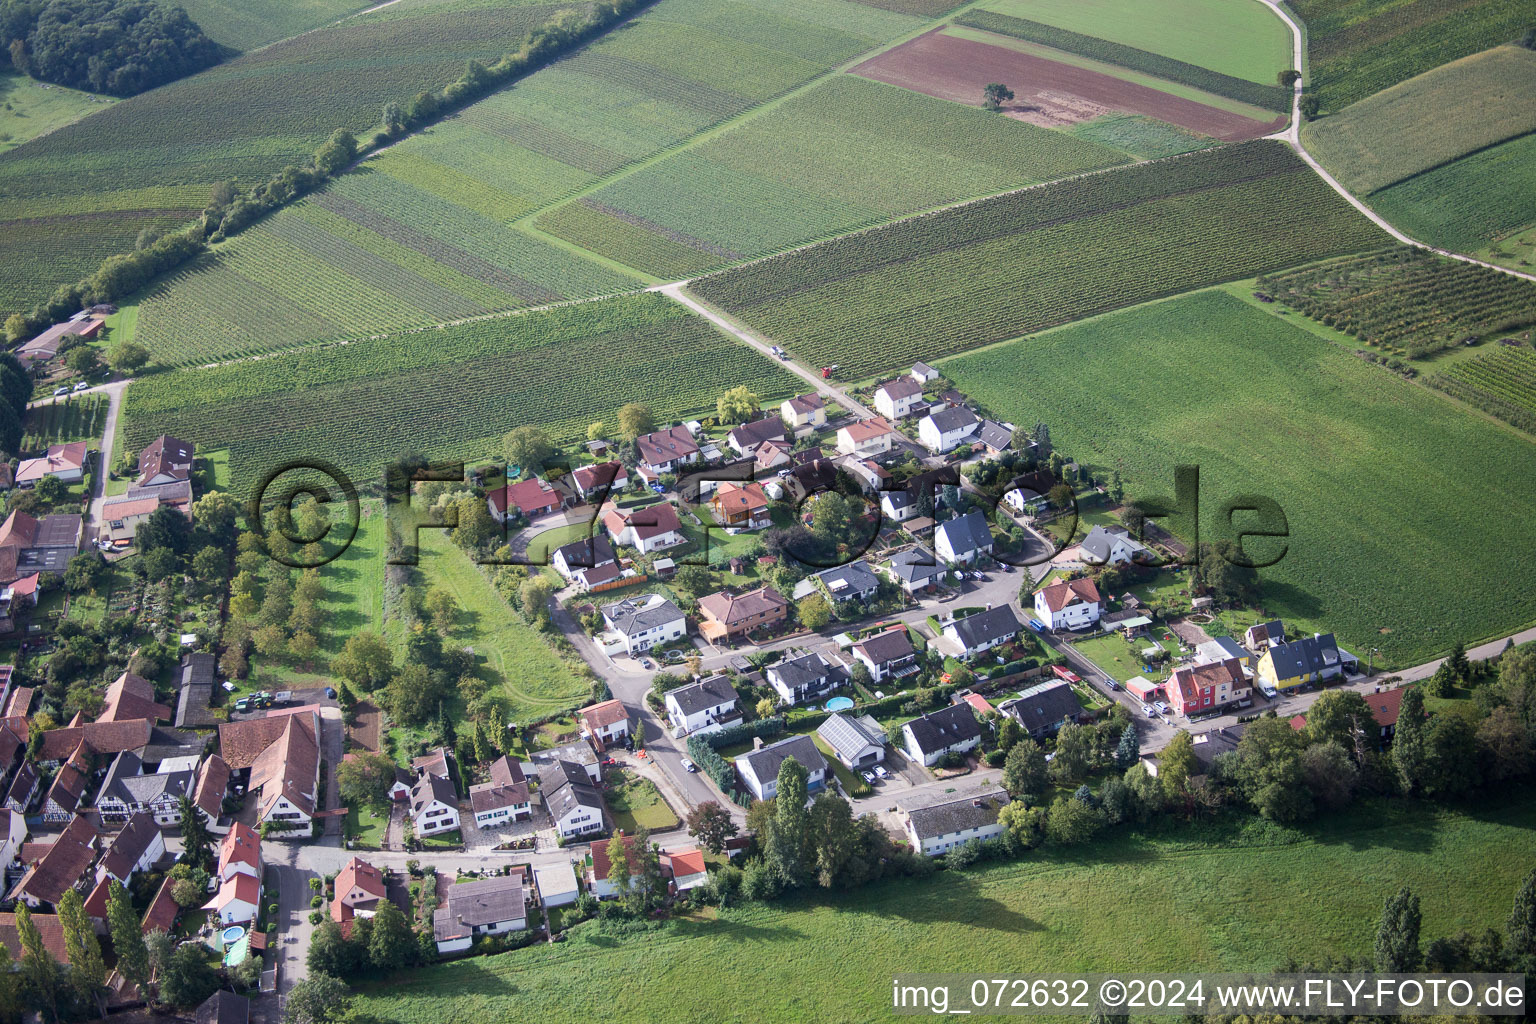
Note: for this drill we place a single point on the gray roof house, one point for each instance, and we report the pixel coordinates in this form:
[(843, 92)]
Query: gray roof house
[(857, 742), (949, 730), (982, 631), (995, 436), (915, 569), (759, 770), (126, 791), (1112, 545), (197, 680), (1310, 658), (940, 828), (645, 622), (855, 581), (486, 906), (702, 704), (1044, 708), (963, 539), (805, 678), (572, 801), (887, 654)]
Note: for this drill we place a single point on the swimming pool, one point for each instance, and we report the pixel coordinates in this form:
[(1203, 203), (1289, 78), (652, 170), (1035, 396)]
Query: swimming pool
[(839, 704)]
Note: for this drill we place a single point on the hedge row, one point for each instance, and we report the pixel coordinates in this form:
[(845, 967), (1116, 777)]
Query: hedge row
[(1269, 97), (767, 728)]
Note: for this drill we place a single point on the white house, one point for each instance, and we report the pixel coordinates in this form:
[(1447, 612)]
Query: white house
[(962, 540), (237, 900), (941, 828), (664, 451), (13, 834), (504, 799), (982, 631), (126, 790), (571, 559), (646, 529), (700, 705), (641, 623), (240, 853), (605, 723), (923, 373), (807, 677), (573, 803), (857, 742), (599, 480), (759, 770), (556, 883), (887, 655), (866, 437), (746, 438), (896, 399), (803, 411), (946, 428), (1112, 545), (138, 847), (952, 730), (1068, 604), (434, 805), (486, 906)]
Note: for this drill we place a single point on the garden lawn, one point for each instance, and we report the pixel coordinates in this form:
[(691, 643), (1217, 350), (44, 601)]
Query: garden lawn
[(366, 827), (1232, 899), (1389, 501), (29, 108), (1120, 660), (513, 654), (1243, 40), (636, 804)]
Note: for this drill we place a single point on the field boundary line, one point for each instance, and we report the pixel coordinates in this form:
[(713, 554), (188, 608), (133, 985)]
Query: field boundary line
[(1292, 137)]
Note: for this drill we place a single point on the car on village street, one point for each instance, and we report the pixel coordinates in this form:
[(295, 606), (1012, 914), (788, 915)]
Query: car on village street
[(1162, 708), (689, 766), (61, 391), (880, 772), (83, 386), (1146, 709)]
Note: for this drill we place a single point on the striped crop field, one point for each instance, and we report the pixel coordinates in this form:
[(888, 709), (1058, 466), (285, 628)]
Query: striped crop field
[(453, 391), (425, 231), (1501, 381), (1004, 267), (846, 154)]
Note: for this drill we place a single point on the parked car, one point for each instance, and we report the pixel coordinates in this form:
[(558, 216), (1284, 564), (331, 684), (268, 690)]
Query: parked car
[(243, 704), (868, 777), (61, 391), (1162, 708), (330, 693), (83, 386), (689, 766), (1111, 684), (1146, 709)]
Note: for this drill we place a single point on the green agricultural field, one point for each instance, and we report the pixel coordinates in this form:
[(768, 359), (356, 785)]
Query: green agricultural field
[(1429, 120), (1243, 40), (848, 153), (1142, 137), (1408, 301), (514, 655), (1467, 205), (1002, 267), (424, 233), (454, 392), (1390, 499), (1359, 47), (921, 8), (87, 190), (1304, 896), (247, 24), (1501, 382), (29, 108)]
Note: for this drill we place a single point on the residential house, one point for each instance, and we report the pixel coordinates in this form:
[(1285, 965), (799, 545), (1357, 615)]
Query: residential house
[(605, 723), (915, 570), (857, 742), (240, 853), (940, 828), (686, 867), (854, 581), (138, 847), (1386, 709), (579, 753), (29, 546), (646, 529), (1068, 604), (946, 428), (128, 790), (237, 901), (599, 883), (589, 553), (129, 697), (434, 805), (887, 655), (195, 698), (13, 832), (1197, 689), (771, 455), (1044, 708), (923, 373), (486, 906), (759, 769), (1113, 545), (812, 476), (899, 398), (504, 799), (573, 803), (223, 1007), (529, 498), (122, 516), (360, 888), (62, 866), (962, 540), (808, 410), (866, 437), (748, 437), (104, 739), (68, 787), (208, 793), (1264, 635), (282, 755), (1311, 659), (995, 437), (741, 506), (165, 461), (701, 706), (65, 461), (1221, 648), (641, 623), (163, 909), (49, 927), (931, 737), (23, 788), (600, 480), (556, 884), (724, 617), (665, 450), (808, 677), (871, 477), (981, 631)]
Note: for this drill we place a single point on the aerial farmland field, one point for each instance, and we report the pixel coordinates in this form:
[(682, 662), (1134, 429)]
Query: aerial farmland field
[(252, 23), (1002, 267), (1472, 203), (1152, 387)]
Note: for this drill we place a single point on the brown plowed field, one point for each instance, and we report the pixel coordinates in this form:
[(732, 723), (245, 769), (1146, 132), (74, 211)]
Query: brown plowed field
[(1046, 92)]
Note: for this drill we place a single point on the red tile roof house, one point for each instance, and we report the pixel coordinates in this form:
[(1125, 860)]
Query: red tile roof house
[(605, 723), (645, 529), (1386, 707), (529, 498), (239, 894), (723, 616), (63, 866), (122, 517), (359, 888), (743, 505), (1195, 689), (48, 926), (166, 460), (598, 481), (138, 847), (100, 738), (665, 450), (65, 461), (1068, 604), (283, 755), (131, 697)]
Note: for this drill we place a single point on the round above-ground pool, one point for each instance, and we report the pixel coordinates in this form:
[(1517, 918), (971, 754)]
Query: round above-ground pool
[(231, 935), (839, 704)]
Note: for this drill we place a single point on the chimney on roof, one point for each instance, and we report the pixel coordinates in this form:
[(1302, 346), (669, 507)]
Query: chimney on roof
[(757, 743)]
